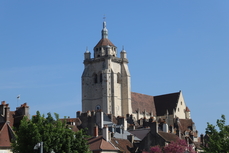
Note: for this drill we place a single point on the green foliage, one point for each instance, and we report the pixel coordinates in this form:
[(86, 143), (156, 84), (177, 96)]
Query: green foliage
[(218, 139), (55, 135)]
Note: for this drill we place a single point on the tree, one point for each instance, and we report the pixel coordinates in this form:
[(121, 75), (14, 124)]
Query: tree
[(178, 146), (55, 135), (217, 137)]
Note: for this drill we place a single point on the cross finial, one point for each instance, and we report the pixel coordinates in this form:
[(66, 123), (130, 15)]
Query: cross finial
[(104, 17)]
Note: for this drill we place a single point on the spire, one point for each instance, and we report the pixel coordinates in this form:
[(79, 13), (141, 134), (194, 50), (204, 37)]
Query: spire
[(104, 31)]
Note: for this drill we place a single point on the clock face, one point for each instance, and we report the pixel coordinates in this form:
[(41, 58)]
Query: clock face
[(98, 107)]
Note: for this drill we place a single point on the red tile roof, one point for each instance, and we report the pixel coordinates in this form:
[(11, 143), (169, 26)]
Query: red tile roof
[(142, 102), (166, 102), (124, 145), (104, 42), (185, 124), (168, 136), (98, 143), (6, 135)]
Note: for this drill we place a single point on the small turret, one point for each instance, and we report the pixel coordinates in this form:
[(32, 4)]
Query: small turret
[(123, 53), (87, 55)]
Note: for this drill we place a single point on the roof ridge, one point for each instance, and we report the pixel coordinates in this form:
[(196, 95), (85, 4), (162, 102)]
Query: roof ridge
[(168, 94)]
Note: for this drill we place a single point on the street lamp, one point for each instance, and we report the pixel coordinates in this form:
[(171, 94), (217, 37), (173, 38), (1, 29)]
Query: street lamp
[(39, 145)]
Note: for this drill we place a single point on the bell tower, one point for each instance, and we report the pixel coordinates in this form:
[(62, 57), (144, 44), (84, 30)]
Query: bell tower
[(106, 79)]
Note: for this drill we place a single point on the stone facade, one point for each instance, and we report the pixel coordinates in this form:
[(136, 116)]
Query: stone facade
[(106, 79)]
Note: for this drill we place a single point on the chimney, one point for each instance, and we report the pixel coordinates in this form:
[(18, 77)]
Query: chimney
[(105, 133), (78, 114), (154, 127), (130, 138), (7, 113), (2, 108), (202, 139), (96, 131), (165, 127), (99, 119)]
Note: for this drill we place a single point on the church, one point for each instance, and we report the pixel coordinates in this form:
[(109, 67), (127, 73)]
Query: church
[(106, 86), (112, 113)]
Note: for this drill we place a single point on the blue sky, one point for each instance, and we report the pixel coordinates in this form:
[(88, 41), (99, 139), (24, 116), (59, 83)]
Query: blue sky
[(171, 46)]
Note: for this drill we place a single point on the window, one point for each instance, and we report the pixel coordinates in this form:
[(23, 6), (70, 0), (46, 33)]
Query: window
[(101, 77), (95, 78), (98, 107)]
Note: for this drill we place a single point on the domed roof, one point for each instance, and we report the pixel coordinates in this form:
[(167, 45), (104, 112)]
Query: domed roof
[(104, 42)]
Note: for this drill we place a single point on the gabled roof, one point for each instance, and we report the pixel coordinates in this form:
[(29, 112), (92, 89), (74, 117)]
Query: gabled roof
[(6, 135), (104, 42), (168, 136), (140, 133), (185, 124), (142, 102), (124, 145), (124, 135), (99, 143), (166, 102)]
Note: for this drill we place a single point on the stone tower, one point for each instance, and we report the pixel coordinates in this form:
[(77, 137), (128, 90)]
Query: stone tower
[(106, 79)]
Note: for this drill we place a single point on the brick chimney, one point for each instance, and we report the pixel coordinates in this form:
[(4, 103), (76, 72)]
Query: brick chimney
[(96, 131), (2, 108), (7, 113)]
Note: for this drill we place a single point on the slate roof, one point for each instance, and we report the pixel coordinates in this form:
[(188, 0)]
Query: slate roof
[(168, 136), (124, 145), (140, 133), (104, 42), (166, 102), (99, 143), (124, 135), (142, 102)]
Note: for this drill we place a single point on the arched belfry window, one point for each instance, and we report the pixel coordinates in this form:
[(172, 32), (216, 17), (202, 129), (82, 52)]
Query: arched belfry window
[(95, 78), (101, 77), (118, 78)]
